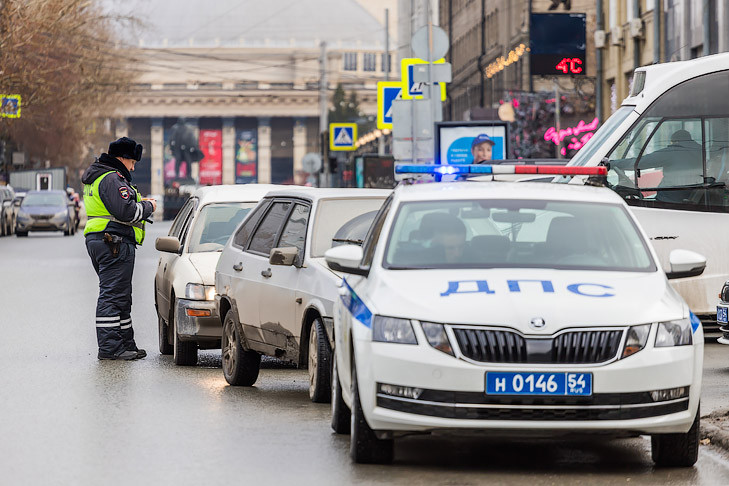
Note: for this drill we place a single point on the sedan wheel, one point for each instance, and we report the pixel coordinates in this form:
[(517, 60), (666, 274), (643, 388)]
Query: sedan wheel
[(164, 345), (240, 367), (320, 356), (184, 352)]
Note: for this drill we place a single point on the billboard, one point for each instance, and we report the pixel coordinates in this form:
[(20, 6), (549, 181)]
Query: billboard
[(211, 165), (557, 44), (470, 142), (181, 150), (246, 157)]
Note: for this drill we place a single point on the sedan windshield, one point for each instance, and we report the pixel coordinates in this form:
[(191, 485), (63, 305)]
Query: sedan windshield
[(215, 224), (47, 199), (516, 234)]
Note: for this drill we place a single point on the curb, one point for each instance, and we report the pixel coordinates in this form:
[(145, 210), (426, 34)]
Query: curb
[(715, 427)]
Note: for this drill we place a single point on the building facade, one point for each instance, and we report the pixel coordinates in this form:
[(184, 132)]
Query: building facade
[(233, 96), (636, 33)]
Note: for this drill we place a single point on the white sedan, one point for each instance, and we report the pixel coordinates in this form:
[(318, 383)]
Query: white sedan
[(274, 291), (559, 322), (183, 284)]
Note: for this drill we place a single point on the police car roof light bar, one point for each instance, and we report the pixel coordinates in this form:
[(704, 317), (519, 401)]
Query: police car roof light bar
[(479, 169)]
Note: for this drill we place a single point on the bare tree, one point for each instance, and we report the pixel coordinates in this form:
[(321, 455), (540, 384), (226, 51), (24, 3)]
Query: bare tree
[(64, 59)]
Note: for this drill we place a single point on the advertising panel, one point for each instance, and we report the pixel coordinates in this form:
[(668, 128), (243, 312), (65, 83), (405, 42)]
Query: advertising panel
[(557, 44), (211, 165), (470, 142), (181, 150), (246, 157)]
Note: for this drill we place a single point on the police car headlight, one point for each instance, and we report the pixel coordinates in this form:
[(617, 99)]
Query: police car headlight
[(636, 340), (195, 291), (437, 337), (674, 333), (393, 330)]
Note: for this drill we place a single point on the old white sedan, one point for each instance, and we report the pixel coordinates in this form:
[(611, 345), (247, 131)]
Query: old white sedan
[(183, 285), (274, 291), (513, 309)]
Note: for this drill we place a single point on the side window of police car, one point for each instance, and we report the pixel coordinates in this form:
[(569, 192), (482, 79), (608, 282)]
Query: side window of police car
[(374, 235), (249, 224), (180, 219), (268, 231), (677, 155)]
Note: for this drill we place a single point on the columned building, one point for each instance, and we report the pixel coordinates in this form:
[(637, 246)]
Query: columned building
[(232, 96)]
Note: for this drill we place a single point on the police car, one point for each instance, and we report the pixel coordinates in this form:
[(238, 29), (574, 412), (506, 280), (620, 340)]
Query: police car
[(513, 308)]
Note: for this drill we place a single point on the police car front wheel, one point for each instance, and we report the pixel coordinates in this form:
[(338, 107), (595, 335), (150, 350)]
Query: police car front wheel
[(677, 450), (365, 447)]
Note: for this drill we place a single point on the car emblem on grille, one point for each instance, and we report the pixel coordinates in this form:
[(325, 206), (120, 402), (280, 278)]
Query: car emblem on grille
[(537, 323)]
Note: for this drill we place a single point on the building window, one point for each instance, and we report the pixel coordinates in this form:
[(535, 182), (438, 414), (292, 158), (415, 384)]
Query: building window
[(386, 63), (350, 61), (369, 62)]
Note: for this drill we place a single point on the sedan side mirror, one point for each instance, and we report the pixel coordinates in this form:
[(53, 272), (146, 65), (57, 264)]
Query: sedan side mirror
[(169, 244), (345, 258), (685, 263), (285, 256)]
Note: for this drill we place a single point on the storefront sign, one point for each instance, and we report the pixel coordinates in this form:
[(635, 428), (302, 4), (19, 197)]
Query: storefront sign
[(211, 166)]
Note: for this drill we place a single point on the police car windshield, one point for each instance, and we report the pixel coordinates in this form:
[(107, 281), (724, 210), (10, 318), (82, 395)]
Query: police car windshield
[(516, 234), (215, 224)]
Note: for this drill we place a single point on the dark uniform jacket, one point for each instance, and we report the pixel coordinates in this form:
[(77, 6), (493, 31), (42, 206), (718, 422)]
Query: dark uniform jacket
[(118, 195)]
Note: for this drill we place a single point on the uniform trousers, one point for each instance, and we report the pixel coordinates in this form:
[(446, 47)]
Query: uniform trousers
[(114, 331)]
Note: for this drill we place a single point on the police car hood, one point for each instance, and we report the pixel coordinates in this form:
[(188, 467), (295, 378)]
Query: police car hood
[(513, 297), (205, 263)]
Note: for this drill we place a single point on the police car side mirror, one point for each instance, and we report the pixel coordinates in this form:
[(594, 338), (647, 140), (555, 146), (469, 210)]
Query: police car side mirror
[(285, 256), (346, 259), (169, 244), (685, 263)]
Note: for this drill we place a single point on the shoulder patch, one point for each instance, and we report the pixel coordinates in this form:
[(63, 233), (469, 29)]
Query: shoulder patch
[(124, 192)]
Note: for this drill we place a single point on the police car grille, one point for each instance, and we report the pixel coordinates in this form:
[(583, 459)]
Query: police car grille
[(491, 346), (574, 347), (585, 346)]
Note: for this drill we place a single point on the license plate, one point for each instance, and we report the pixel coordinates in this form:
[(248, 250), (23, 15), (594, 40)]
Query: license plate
[(512, 383), (721, 315)]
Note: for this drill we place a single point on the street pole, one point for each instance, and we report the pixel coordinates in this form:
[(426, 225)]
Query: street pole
[(557, 109), (386, 68), (323, 106)]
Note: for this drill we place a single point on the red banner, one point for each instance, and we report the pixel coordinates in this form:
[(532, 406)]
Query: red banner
[(211, 166)]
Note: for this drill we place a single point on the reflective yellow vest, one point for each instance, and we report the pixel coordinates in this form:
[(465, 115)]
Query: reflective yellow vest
[(99, 216)]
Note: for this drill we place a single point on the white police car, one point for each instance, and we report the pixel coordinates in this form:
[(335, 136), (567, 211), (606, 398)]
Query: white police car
[(517, 308)]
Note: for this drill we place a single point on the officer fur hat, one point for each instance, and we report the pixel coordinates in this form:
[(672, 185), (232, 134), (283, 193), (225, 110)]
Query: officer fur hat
[(126, 148)]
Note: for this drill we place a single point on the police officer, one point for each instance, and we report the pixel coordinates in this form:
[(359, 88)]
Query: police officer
[(116, 216)]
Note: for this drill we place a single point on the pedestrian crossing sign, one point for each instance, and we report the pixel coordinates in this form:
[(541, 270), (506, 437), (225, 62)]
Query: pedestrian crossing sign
[(411, 89), (342, 136), (387, 92)]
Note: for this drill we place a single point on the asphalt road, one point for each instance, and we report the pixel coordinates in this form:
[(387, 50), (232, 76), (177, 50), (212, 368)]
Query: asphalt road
[(66, 418)]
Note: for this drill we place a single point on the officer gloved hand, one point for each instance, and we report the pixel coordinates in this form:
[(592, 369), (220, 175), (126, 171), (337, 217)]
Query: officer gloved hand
[(153, 201)]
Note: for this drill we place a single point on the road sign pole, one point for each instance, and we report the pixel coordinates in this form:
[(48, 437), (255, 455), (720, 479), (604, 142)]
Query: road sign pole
[(323, 107)]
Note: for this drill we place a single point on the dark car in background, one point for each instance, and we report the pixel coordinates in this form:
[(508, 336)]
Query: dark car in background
[(45, 211)]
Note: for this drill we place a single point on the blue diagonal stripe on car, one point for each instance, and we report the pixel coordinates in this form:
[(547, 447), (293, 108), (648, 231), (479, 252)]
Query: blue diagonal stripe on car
[(356, 307)]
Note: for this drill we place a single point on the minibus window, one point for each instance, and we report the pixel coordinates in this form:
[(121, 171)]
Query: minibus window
[(677, 155)]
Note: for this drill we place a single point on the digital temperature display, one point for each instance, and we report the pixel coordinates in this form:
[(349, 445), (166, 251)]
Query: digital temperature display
[(557, 45)]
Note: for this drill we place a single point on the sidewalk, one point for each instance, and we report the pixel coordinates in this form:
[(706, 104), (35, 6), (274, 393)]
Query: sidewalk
[(715, 427)]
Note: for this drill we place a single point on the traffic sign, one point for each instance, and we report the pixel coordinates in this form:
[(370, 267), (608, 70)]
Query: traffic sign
[(311, 163), (342, 136), (387, 92), (9, 106), (430, 47), (411, 89)]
